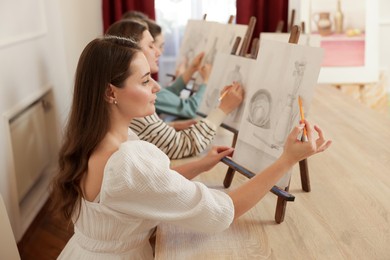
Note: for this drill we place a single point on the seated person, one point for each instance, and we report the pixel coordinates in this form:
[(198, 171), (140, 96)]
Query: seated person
[(168, 99), (115, 188), (186, 141)]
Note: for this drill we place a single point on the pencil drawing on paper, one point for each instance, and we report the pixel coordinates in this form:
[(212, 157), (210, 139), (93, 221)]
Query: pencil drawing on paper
[(288, 113), (190, 48), (226, 70), (210, 38), (260, 109), (233, 75), (283, 72), (194, 41), (210, 55)]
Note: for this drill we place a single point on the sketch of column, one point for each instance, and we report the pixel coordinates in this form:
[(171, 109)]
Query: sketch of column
[(283, 125)]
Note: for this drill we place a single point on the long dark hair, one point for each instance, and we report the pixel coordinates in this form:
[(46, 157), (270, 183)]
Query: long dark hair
[(103, 61)]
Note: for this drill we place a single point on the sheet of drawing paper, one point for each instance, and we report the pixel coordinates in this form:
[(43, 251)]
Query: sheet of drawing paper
[(194, 41), (221, 39), (227, 69), (313, 40), (282, 72)]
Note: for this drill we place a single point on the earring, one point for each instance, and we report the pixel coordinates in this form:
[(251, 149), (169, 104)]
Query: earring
[(115, 102)]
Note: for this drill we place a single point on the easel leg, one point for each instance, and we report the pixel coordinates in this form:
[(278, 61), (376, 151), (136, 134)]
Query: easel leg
[(230, 172), (280, 210), (228, 177), (281, 205), (305, 179)]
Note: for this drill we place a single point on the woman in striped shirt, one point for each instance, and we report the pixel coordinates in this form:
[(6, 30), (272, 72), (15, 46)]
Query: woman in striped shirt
[(180, 140)]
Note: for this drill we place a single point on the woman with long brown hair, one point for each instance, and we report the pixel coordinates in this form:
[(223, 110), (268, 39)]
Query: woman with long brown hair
[(115, 188)]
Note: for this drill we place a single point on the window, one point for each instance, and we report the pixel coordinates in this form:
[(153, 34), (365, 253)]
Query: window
[(172, 16)]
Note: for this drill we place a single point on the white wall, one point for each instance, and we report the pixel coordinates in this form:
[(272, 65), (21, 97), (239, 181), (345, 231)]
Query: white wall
[(30, 64), (384, 39)]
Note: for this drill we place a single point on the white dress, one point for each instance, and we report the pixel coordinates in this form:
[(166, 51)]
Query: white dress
[(139, 191)]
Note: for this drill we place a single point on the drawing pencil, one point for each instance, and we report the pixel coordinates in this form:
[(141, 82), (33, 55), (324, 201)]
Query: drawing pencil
[(302, 113), (223, 95), (226, 91)]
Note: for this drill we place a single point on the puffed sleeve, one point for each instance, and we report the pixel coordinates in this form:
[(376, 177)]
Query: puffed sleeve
[(138, 182)]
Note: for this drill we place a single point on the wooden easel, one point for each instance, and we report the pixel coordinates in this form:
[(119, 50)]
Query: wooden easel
[(283, 195), (279, 26), (231, 19), (247, 37), (292, 20)]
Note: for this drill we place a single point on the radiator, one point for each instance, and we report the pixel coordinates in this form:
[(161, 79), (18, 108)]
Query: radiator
[(30, 146)]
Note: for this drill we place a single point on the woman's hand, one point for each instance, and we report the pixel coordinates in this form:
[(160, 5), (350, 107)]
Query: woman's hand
[(192, 169), (296, 150), (205, 72), (214, 156), (194, 66), (232, 97)]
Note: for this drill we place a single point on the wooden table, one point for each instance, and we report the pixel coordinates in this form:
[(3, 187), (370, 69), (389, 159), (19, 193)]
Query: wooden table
[(345, 216)]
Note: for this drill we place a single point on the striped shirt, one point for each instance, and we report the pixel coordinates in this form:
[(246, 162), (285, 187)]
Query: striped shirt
[(178, 144)]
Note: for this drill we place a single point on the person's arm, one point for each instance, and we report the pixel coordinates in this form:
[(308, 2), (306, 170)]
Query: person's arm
[(176, 87), (251, 192), (140, 184), (194, 67), (178, 144), (170, 103), (181, 82), (192, 169), (182, 124), (191, 141)]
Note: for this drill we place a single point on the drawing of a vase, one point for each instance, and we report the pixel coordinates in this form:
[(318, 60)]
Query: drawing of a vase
[(260, 109), (236, 76), (209, 59), (212, 98)]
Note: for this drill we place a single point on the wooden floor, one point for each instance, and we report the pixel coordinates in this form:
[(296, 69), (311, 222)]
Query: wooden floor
[(45, 238), (344, 216)]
